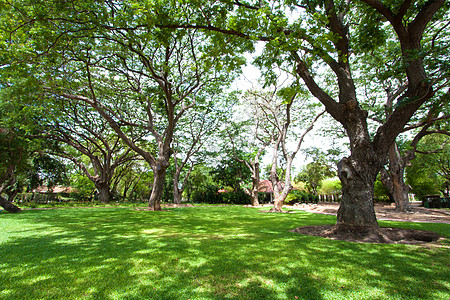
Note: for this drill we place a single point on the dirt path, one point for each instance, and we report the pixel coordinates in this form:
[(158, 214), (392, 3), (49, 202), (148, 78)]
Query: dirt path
[(385, 212)]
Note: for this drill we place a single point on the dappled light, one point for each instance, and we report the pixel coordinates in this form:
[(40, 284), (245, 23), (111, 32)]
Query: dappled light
[(205, 253)]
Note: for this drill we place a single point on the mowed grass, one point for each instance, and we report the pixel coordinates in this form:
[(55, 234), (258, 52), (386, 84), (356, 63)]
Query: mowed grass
[(207, 253)]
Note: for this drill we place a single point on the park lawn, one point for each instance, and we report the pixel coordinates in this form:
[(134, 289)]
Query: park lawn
[(207, 253)]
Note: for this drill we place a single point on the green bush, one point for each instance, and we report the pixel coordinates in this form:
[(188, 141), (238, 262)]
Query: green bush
[(331, 186), (381, 193), (297, 196), (238, 197), (211, 196)]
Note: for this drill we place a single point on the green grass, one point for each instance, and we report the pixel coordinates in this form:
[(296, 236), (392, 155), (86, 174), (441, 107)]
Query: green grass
[(206, 253)]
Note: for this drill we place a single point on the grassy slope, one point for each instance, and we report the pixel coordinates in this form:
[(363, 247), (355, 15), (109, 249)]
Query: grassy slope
[(206, 253)]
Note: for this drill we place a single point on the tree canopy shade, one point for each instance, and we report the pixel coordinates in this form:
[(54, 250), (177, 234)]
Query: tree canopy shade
[(139, 77)]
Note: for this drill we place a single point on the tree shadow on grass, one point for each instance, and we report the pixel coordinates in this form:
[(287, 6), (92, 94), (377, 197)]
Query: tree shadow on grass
[(208, 253)]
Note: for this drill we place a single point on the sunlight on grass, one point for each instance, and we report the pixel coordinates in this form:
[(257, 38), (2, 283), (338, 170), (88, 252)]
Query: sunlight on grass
[(207, 253)]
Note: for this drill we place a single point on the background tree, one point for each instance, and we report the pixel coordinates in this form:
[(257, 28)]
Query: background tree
[(249, 137), (231, 172), (129, 176), (280, 108), (197, 127), (87, 134), (428, 173), (47, 170), (199, 180), (316, 171)]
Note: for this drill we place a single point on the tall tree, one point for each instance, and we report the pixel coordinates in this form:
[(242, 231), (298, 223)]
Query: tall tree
[(280, 108), (113, 58), (198, 126), (249, 137), (380, 78), (322, 34)]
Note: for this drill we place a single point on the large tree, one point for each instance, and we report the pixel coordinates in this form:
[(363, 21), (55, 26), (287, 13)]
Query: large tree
[(381, 77), (325, 35), (113, 58)]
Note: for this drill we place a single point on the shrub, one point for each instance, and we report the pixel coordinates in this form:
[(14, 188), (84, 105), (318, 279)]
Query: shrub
[(297, 196), (238, 197), (211, 196), (331, 186)]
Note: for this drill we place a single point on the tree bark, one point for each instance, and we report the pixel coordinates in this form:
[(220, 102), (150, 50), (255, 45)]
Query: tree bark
[(280, 196), (274, 179), (277, 204), (159, 177), (104, 193), (356, 212), (177, 193), (8, 206), (394, 180), (254, 196)]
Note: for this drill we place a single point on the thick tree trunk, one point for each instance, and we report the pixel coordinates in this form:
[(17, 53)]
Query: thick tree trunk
[(277, 204), (400, 195), (356, 212), (8, 206), (104, 194), (154, 202)]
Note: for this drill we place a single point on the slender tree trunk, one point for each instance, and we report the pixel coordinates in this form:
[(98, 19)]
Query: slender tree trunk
[(177, 193), (398, 189), (9, 206), (356, 212), (277, 195), (254, 197), (277, 204)]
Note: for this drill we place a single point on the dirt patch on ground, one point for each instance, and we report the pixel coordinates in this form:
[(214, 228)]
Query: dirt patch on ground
[(385, 212), (177, 205), (383, 234)]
